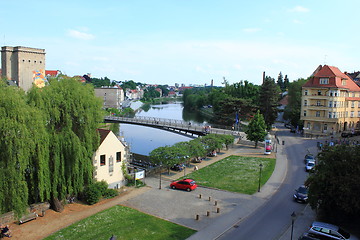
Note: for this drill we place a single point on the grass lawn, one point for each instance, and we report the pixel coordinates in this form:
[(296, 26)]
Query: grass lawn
[(235, 174), (124, 223)]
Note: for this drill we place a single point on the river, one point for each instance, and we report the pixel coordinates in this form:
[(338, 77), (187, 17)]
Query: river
[(143, 140)]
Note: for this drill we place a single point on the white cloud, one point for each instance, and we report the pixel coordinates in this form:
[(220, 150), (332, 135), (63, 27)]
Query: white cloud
[(251, 30), (80, 35), (299, 9)]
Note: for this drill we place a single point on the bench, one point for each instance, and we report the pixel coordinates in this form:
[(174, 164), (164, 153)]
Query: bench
[(28, 217)]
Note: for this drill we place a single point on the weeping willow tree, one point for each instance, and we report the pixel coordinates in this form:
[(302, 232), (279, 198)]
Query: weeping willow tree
[(72, 114), (24, 152)]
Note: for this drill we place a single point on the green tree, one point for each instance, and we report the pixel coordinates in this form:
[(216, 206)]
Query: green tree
[(269, 101), (334, 187), (24, 152), (280, 82), (292, 110), (72, 113), (129, 85), (256, 130), (286, 82)]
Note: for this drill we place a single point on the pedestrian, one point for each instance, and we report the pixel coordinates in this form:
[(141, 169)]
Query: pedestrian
[(196, 168)]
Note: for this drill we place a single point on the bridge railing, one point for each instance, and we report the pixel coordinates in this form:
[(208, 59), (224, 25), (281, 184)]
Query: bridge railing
[(179, 124)]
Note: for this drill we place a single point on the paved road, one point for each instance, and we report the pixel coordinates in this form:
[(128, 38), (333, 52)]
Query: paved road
[(272, 219)]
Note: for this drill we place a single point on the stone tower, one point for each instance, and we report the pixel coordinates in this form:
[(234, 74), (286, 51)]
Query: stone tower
[(22, 65)]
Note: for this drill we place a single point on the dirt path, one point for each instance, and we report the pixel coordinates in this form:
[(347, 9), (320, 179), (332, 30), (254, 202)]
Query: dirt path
[(54, 221)]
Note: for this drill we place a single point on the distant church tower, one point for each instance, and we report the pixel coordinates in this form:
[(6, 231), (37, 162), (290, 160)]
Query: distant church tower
[(23, 65)]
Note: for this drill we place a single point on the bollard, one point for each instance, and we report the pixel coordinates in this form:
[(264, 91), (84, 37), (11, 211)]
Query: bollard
[(208, 213), (209, 199), (197, 217), (217, 210), (199, 195), (215, 203)]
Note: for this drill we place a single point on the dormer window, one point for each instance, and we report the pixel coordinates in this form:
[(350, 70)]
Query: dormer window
[(324, 80), (343, 82)]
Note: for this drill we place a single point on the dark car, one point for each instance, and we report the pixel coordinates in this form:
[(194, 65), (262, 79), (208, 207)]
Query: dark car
[(301, 194), (177, 167), (184, 184)]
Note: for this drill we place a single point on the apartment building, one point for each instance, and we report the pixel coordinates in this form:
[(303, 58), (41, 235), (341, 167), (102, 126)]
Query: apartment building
[(330, 103), (112, 97)]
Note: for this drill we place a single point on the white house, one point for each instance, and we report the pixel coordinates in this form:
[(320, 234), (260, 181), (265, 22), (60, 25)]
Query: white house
[(109, 159)]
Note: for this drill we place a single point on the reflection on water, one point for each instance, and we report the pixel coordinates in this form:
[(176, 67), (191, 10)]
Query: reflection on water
[(143, 140)]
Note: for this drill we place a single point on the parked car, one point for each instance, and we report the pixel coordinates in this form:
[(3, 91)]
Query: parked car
[(309, 157), (309, 166), (301, 194), (323, 230), (184, 184), (177, 167)]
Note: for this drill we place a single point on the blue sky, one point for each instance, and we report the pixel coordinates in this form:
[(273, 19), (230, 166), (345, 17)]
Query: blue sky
[(186, 41)]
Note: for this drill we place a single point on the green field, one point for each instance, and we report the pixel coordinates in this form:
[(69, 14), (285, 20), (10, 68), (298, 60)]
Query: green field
[(124, 223), (235, 174)]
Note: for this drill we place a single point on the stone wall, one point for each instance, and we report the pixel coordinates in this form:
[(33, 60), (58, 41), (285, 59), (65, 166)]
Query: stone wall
[(39, 208)]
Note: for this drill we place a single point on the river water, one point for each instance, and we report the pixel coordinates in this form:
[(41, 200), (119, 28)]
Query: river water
[(143, 140)]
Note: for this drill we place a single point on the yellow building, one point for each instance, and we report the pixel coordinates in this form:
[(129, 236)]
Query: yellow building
[(330, 103)]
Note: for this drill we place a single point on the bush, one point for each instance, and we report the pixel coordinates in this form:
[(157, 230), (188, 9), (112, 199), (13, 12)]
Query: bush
[(110, 193), (92, 194), (102, 187)]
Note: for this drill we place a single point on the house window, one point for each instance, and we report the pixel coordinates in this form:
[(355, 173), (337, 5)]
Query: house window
[(111, 165), (352, 114), (335, 103), (352, 104), (304, 113), (308, 125), (330, 114), (306, 92), (318, 103), (334, 114), (102, 160), (118, 156), (343, 82), (324, 80), (317, 113), (325, 127), (305, 102), (330, 103), (358, 113), (319, 92)]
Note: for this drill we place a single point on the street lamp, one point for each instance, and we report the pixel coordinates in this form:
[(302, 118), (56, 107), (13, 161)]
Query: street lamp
[(293, 217), (260, 166)]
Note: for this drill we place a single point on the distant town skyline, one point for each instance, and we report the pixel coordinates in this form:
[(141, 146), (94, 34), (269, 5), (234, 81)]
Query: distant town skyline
[(168, 42)]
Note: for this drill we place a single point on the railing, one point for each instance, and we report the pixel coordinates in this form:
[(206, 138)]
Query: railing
[(175, 124)]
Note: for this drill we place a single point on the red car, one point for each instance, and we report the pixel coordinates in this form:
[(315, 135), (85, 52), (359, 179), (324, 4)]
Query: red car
[(184, 184)]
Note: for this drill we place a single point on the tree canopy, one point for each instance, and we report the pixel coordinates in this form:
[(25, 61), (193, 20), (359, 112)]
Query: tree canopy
[(269, 101), (48, 137), (256, 130), (334, 187)]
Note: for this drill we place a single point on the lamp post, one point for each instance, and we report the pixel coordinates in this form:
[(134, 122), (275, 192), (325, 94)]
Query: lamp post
[(260, 166), (293, 217)]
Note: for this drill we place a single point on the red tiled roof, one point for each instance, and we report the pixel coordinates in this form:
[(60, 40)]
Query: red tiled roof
[(335, 79), (52, 73), (103, 134)]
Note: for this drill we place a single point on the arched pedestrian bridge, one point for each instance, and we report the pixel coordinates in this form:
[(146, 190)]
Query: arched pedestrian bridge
[(172, 125)]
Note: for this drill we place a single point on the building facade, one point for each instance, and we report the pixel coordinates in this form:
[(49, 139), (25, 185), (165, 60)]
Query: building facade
[(109, 158), (24, 66), (112, 96), (330, 103)]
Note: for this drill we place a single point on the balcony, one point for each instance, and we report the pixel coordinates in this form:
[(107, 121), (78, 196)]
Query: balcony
[(317, 107), (319, 119)]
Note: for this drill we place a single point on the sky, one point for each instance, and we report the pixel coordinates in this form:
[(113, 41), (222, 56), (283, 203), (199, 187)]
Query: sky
[(186, 41)]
